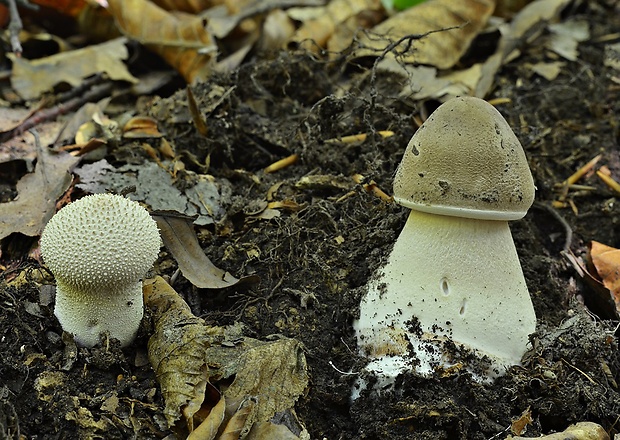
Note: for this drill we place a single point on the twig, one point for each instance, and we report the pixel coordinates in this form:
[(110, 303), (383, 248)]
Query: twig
[(568, 231), (61, 109), (15, 24)]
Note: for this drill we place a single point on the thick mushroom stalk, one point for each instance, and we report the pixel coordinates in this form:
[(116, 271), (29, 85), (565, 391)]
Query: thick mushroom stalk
[(99, 248), (447, 278), (453, 279)]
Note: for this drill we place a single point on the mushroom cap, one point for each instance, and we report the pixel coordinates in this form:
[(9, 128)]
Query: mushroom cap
[(465, 161), (100, 241)]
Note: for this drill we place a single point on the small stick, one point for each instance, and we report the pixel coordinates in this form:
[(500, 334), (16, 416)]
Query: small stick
[(498, 101), (578, 175), (583, 170), (282, 163), (52, 113), (609, 181), (568, 231), (357, 137), (372, 187)]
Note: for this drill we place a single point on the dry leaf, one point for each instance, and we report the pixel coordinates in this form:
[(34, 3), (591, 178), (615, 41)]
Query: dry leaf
[(578, 431), (278, 28), (208, 429), (549, 70), (186, 355), (180, 239), (530, 21), (440, 49), (606, 261), (155, 187), (182, 40), (78, 118), (269, 431), (597, 298), (275, 371), (177, 351), (37, 194), (519, 426), (96, 22), (234, 427), (191, 6), (32, 78), (141, 127), (66, 7), (566, 36), (325, 21), (21, 146)]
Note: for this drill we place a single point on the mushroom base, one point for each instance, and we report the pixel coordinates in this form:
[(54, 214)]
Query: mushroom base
[(88, 314), (451, 295)]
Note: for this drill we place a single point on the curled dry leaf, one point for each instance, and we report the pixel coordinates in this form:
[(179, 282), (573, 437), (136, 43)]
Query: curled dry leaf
[(210, 426), (531, 20), (187, 355), (31, 78), (317, 30), (177, 351), (141, 127), (269, 431), (450, 27), (606, 261), (37, 194), (180, 239), (192, 6), (578, 431), (275, 371), (182, 40), (234, 427), (519, 425)]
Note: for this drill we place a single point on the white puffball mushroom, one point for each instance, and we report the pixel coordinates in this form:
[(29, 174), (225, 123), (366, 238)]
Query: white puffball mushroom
[(99, 248), (453, 273)]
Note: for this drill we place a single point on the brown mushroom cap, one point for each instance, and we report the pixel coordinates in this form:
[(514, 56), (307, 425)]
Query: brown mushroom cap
[(465, 161)]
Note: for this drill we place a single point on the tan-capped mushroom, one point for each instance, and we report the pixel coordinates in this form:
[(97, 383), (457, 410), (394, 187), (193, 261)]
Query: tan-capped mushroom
[(453, 273)]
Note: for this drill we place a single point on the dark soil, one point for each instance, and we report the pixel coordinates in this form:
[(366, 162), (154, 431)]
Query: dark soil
[(313, 260)]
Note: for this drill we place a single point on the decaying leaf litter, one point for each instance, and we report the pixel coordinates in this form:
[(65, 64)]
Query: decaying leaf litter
[(313, 236)]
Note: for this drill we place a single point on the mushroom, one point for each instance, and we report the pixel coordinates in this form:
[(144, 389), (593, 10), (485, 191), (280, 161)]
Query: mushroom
[(99, 248), (453, 273)]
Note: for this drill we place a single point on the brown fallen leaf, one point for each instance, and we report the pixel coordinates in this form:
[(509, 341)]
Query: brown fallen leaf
[(177, 351), (141, 127), (578, 431), (275, 371), (37, 194), (317, 30), (182, 40), (519, 425), (530, 21), (234, 427), (187, 356), (210, 426), (269, 431), (180, 239), (597, 298), (31, 78), (606, 261), (461, 19), (192, 6)]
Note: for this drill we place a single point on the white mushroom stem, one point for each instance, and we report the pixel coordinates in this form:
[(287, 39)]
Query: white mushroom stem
[(446, 277), (87, 313)]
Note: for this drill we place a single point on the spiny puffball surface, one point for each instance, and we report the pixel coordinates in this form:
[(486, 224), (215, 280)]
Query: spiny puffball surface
[(99, 240), (99, 248)]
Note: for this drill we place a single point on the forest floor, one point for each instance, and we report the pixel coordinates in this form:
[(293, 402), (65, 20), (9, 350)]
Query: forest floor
[(314, 258)]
